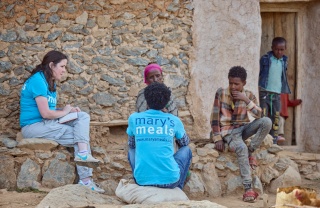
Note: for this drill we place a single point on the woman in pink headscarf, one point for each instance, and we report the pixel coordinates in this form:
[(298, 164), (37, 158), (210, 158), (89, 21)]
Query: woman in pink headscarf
[(153, 73)]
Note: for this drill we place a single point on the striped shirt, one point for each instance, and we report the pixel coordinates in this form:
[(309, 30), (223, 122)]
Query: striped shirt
[(227, 115), (141, 104)]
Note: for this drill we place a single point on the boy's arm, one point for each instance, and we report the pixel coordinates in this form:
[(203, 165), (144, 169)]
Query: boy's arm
[(180, 133), (131, 139), (253, 106), (184, 141), (215, 118)]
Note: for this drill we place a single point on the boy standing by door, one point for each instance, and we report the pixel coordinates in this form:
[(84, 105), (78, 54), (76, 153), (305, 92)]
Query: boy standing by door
[(273, 81)]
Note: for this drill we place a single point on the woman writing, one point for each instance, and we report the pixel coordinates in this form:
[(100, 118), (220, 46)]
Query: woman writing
[(39, 115)]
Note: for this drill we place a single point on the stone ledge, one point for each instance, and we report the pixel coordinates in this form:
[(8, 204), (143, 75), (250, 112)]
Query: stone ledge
[(299, 155), (37, 144)]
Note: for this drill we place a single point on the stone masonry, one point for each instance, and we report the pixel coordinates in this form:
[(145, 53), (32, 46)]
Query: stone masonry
[(108, 44)]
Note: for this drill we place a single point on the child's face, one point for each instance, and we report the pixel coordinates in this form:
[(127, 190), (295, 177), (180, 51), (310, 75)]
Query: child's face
[(236, 84), (278, 50)]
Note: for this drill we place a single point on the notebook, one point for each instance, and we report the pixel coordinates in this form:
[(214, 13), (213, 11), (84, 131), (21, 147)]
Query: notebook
[(68, 117)]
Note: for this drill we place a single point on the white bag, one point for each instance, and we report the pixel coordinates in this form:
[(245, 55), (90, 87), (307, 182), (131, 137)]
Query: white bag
[(135, 194)]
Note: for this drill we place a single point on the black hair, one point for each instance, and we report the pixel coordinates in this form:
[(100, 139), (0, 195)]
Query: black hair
[(278, 40), (238, 71), (157, 95), (52, 56)]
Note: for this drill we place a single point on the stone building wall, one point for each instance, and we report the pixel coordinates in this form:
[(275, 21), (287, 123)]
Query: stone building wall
[(108, 44), (310, 76), (226, 33)]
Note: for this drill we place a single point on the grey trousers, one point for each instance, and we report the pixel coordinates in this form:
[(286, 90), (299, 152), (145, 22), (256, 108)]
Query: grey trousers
[(67, 134), (260, 127)]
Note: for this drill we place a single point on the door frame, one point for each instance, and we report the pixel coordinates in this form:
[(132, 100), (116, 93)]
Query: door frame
[(300, 9)]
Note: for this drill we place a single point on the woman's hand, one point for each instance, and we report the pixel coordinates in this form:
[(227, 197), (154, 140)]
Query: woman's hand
[(67, 109), (75, 109)]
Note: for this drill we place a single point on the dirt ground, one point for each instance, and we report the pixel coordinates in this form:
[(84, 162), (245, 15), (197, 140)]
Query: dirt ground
[(13, 199)]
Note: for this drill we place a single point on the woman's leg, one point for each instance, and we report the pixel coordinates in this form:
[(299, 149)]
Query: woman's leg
[(61, 133)]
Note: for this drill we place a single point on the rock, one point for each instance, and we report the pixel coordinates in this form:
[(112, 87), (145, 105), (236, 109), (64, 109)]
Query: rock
[(233, 183), (231, 166), (7, 173), (75, 196), (275, 149), (37, 144), (202, 152), (112, 81), (133, 51), (194, 187), (138, 61), (267, 142), (290, 177), (285, 162), (10, 36), (29, 175), (59, 173), (185, 204), (53, 36), (104, 99), (211, 180), (313, 176), (268, 174), (9, 143), (103, 21), (82, 19), (109, 186), (5, 66), (175, 81), (54, 19), (21, 20), (44, 27), (3, 191)]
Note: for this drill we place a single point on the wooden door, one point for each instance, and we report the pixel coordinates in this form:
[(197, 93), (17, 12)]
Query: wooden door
[(283, 24)]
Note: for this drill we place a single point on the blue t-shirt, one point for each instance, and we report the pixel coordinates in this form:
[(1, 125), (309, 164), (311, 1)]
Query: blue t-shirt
[(35, 86), (154, 132), (274, 76)]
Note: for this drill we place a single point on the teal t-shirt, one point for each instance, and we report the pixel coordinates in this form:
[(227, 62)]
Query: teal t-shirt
[(154, 132), (35, 86), (274, 76)]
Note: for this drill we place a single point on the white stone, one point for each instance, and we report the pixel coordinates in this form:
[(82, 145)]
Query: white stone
[(289, 178), (82, 19)]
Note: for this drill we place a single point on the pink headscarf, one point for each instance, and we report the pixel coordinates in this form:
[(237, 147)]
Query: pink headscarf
[(149, 68)]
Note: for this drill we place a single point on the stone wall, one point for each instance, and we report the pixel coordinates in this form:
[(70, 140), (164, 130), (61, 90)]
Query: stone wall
[(226, 33), (41, 163), (108, 44), (310, 76)]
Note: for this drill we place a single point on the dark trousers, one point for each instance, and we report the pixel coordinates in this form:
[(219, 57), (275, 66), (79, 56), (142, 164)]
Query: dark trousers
[(270, 104)]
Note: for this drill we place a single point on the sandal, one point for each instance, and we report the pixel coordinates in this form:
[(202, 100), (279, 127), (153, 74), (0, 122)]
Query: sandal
[(253, 162), (250, 196)]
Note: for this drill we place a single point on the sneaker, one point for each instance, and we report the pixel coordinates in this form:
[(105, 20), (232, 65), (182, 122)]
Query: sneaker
[(279, 140), (93, 186), (86, 160)]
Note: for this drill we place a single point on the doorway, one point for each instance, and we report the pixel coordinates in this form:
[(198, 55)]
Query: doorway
[(283, 24)]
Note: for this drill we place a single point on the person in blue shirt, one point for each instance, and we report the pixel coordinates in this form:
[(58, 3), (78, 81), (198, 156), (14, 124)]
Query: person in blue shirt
[(39, 117), (272, 82), (150, 137)]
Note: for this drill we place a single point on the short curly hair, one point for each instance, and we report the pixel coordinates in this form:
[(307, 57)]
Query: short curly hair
[(238, 71), (157, 95), (279, 40)]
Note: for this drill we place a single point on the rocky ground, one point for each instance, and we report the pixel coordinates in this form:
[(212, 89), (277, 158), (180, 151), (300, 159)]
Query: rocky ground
[(13, 199)]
